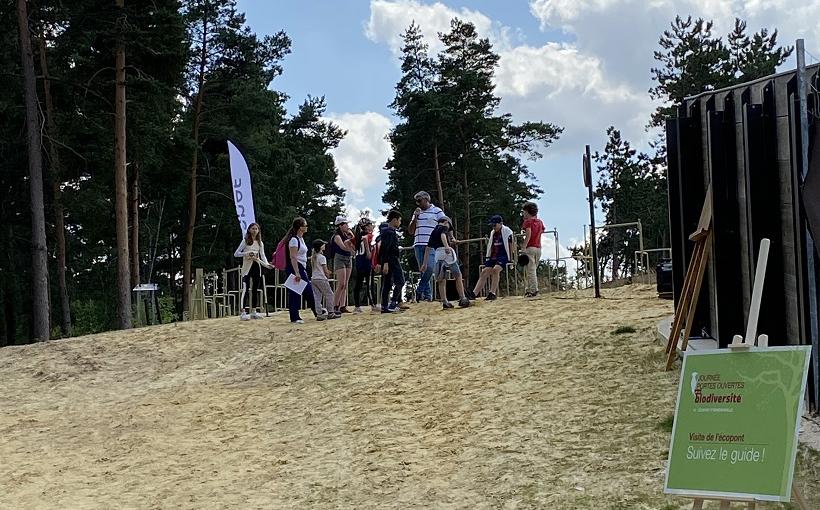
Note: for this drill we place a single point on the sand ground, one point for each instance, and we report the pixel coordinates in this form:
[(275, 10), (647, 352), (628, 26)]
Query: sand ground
[(511, 404)]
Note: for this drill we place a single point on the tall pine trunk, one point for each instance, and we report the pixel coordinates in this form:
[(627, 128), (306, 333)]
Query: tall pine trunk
[(134, 199), (121, 187), (39, 266), (10, 289), (467, 220), (56, 176), (439, 189), (189, 232)]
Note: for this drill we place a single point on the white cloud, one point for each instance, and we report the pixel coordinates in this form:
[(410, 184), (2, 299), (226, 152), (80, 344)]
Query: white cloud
[(389, 19), (556, 82), (362, 154)]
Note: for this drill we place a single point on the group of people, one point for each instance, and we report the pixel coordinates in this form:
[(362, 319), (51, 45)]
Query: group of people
[(359, 248)]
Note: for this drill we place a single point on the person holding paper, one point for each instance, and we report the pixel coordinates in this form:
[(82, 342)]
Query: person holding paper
[(296, 270), (252, 252)]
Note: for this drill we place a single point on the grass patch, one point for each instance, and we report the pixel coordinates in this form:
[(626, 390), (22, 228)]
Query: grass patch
[(666, 424), (623, 330)]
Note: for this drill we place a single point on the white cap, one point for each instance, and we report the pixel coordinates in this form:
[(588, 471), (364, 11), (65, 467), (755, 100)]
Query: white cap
[(339, 220)]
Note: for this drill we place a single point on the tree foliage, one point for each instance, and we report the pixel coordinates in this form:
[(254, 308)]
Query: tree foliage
[(450, 127), (691, 60), (632, 185), (288, 152)]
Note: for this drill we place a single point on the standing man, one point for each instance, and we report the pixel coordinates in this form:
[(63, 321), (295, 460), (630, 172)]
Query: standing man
[(425, 219), (533, 228)]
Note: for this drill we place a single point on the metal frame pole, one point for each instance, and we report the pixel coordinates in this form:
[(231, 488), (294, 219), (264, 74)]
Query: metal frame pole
[(809, 250), (593, 240)]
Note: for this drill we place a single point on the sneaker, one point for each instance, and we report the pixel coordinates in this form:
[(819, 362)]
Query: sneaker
[(464, 302), (528, 294), (297, 321), (343, 310), (446, 305), (358, 309), (534, 293), (333, 315), (389, 310), (244, 316), (470, 295), (491, 297), (403, 306), (321, 317), (257, 315)]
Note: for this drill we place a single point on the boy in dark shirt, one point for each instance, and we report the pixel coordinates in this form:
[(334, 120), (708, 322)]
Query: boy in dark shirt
[(446, 259), (392, 272)]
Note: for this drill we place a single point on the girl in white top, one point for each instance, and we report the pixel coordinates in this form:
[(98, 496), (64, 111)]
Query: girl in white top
[(252, 252), (320, 283), (296, 266)]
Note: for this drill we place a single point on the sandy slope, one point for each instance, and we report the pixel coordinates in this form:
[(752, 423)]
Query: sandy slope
[(512, 404)]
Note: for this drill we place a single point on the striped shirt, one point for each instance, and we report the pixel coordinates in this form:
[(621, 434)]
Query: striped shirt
[(426, 221)]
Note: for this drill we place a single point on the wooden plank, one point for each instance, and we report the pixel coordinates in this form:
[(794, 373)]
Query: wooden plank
[(701, 269), (705, 220), (684, 302), (697, 268)]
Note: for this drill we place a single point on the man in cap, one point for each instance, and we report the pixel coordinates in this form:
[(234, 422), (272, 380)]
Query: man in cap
[(425, 218)]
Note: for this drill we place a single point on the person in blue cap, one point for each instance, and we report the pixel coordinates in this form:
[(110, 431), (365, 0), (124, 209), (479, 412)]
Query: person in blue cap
[(498, 255)]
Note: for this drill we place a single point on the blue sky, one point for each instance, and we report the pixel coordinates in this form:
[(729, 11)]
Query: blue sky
[(582, 64)]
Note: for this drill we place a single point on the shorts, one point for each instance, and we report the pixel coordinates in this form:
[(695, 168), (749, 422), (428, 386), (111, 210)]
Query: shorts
[(442, 267), (342, 262), (500, 261)]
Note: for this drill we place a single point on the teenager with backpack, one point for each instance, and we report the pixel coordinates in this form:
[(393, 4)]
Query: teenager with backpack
[(297, 266)]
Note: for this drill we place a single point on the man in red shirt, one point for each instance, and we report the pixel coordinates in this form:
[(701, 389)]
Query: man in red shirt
[(533, 228)]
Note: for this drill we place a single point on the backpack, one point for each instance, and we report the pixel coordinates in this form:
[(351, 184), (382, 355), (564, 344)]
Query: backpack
[(280, 258)]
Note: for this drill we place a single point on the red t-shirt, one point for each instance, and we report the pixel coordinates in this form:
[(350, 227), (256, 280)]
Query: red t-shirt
[(536, 227)]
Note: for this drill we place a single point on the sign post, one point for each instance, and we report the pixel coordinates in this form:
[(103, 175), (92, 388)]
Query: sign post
[(737, 417)]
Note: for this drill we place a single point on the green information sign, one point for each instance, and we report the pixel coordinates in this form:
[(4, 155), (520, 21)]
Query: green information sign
[(736, 423)]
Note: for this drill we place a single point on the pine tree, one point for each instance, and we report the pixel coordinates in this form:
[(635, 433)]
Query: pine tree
[(451, 134), (756, 57), (692, 61), (223, 51), (631, 187)]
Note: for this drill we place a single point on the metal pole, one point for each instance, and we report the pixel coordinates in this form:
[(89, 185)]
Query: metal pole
[(593, 241), (802, 90)]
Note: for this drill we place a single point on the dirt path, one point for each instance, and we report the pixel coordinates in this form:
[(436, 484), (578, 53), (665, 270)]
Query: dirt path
[(511, 404)]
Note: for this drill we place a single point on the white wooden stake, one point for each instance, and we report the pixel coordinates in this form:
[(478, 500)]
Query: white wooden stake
[(757, 292)]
